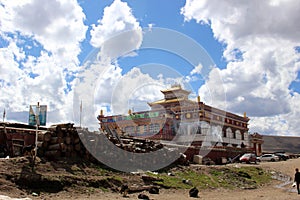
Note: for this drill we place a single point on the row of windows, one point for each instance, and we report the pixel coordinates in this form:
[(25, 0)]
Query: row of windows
[(152, 128), (155, 128), (227, 133), (209, 115)]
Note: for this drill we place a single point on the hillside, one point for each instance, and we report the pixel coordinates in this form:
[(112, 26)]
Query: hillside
[(286, 144), (68, 179)]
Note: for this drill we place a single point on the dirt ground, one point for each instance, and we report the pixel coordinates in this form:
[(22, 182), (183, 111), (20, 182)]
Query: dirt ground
[(280, 189)]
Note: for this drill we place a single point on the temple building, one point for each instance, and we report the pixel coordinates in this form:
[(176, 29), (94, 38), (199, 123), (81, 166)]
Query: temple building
[(177, 118), (256, 141)]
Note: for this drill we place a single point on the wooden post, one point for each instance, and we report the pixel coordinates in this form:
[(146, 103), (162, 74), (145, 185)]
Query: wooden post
[(37, 119)]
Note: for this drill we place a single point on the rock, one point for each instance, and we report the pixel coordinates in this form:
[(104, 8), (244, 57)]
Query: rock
[(35, 194), (194, 192), (189, 182), (171, 174), (124, 190), (143, 196), (244, 174), (154, 190), (149, 179)]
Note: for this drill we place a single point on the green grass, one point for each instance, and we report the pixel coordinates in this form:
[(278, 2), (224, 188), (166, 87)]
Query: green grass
[(117, 178), (257, 174), (225, 177), (196, 179)]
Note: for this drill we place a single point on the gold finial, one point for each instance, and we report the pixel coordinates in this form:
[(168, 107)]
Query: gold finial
[(198, 98), (245, 115), (101, 112), (129, 112)]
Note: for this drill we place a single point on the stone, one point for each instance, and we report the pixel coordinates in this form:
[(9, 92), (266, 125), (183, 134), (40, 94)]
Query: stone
[(194, 192)]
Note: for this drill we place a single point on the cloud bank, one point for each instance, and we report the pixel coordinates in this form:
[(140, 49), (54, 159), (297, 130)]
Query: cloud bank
[(260, 38)]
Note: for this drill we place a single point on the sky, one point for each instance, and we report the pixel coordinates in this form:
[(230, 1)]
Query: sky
[(240, 56)]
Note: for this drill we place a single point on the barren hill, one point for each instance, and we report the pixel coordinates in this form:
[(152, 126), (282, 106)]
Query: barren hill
[(286, 144)]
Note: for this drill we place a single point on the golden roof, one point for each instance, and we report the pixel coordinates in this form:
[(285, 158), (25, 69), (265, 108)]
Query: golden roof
[(166, 101), (175, 88)]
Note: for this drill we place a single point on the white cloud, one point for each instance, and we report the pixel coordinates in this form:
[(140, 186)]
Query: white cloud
[(260, 38), (197, 69), (57, 25), (118, 32), (103, 86), (41, 44), (102, 83), (150, 26)]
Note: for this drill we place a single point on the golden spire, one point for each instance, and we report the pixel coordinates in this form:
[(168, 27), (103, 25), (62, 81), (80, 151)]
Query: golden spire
[(245, 115), (198, 98)]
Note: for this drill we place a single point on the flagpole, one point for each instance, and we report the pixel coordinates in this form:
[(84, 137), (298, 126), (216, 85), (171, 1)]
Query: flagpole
[(5, 133), (4, 113), (80, 114), (37, 115)]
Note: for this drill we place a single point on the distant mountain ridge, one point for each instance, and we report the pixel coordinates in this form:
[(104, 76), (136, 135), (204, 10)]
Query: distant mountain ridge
[(288, 144)]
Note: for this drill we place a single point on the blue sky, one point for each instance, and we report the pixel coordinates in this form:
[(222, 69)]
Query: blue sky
[(238, 56)]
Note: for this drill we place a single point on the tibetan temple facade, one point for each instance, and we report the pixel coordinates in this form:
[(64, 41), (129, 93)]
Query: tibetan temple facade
[(177, 118)]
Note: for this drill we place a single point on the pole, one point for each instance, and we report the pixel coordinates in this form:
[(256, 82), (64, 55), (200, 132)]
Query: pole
[(80, 113), (4, 113), (37, 119), (9, 152)]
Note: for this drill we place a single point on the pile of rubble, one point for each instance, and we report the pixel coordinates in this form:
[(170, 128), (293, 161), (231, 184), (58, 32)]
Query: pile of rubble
[(136, 145)]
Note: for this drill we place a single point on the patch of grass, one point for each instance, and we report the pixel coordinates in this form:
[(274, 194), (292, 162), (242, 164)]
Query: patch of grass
[(244, 177), (198, 179), (257, 174), (221, 177), (101, 171), (225, 177), (117, 178), (193, 179)]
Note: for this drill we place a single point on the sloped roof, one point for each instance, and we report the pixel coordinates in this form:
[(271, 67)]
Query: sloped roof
[(166, 101), (175, 88)]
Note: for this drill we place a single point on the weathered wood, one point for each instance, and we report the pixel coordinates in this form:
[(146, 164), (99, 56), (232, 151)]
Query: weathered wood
[(76, 140), (69, 148), (58, 146), (40, 137), (60, 134), (47, 136), (68, 140), (53, 153), (149, 179), (77, 147), (62, 147), (45, 145), (40, 144), (56, 140), (44, 136)]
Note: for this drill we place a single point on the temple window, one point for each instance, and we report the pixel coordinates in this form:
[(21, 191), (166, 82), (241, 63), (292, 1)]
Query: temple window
[(198, 131), (224, 134), (228, 132), (238, 134), (154, 128), (129, 129), (145, 128)]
